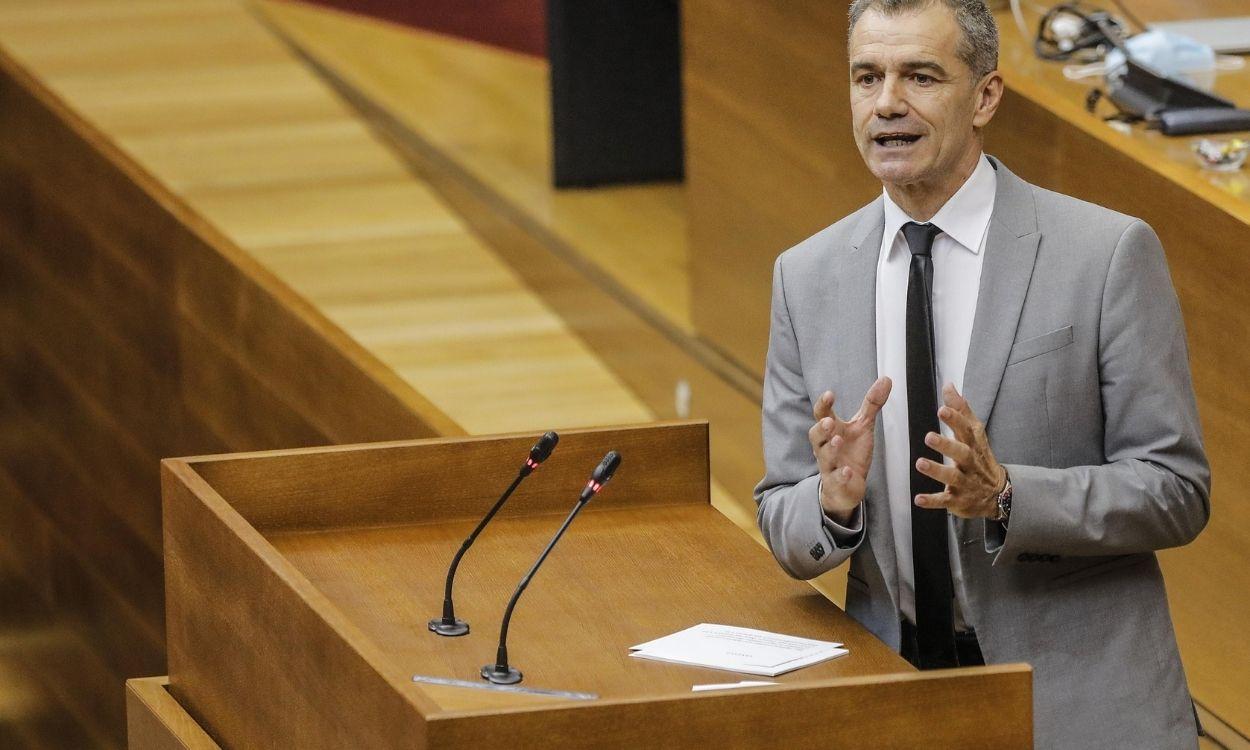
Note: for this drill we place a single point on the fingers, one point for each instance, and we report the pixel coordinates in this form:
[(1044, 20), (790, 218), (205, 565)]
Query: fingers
[(956, 451), (843, 490), (935, 500), (947, 475), (823, 406), (958, 424), (874, 399), (963, 427), (820, 433), (955, 400), (842, 476), (957, 410)]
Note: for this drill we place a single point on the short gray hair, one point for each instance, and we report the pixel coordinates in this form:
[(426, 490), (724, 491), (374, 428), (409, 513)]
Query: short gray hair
[(979, 46)]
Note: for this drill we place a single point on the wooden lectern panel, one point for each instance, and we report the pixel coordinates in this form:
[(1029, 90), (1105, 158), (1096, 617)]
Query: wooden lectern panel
[(155, 721), (454, 478), (299, 585), (904, 711)]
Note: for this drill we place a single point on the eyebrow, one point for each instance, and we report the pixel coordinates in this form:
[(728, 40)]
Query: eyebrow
[(908, 67)]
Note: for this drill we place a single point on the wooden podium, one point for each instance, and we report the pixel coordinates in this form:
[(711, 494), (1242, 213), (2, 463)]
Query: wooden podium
[(299, 584)]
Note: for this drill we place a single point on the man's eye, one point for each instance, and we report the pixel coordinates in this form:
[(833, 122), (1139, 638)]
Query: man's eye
[(866, 80), (922, 79)]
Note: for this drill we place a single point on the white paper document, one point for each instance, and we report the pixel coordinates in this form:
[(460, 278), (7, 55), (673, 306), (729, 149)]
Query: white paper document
[(738, 650), (730, 685)]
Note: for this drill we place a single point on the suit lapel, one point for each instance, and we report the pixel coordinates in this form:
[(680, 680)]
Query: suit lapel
[(1010, 252), (855, 327)]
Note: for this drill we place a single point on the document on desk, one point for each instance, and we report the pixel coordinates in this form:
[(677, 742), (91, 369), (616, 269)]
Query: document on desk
[(736, 649)]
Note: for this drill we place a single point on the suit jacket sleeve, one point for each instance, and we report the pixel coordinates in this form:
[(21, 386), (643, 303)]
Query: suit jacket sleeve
[(804, 541), (1153, 491)]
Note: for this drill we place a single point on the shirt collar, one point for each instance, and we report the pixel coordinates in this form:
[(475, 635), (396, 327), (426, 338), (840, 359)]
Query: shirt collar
[(964, 217)]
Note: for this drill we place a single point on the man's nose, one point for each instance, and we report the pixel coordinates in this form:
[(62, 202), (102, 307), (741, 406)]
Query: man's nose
[(890, 100)]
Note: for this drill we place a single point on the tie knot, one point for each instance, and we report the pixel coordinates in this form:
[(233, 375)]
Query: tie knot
[(920, 237)]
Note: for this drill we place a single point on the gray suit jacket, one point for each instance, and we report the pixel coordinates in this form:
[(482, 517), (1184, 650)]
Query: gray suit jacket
[(1078, 365)]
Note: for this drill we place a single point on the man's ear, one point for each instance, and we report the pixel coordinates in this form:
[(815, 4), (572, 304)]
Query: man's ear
[(989, 96)]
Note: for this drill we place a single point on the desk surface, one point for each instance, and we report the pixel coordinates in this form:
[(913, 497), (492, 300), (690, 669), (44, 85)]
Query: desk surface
[(1043, 82), (573, 627)]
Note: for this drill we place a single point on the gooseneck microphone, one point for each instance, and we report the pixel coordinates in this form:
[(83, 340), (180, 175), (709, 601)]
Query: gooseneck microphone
[(499, 672), (448, 624)]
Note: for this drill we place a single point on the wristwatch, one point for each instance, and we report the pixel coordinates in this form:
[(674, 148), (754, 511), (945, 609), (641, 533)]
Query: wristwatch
[(1003, 501)]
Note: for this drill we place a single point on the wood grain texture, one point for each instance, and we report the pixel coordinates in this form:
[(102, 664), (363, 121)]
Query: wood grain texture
[(56, 689), (769, 155), (741, 102), (837, 713), (620, 576), (636, 233), (455, 478), (608, 300), (268, 156), (155, 721), (1219, 735), (244, 628), (303, 625), (133, 329), (498, 177), (178, 190)]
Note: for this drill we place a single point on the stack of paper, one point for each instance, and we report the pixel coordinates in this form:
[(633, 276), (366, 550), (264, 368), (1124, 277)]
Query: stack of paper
[(729, 685), (738, 650)]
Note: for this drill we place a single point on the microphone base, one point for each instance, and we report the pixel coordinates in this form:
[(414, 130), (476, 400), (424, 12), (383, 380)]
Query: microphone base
[(450, 629), (505, 676)]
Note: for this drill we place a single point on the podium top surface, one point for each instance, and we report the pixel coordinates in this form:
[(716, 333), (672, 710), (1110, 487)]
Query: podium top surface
[(619, 577), (299, 585)]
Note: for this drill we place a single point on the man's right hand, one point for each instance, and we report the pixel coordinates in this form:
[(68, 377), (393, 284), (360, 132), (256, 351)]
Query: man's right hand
[(843, 450)]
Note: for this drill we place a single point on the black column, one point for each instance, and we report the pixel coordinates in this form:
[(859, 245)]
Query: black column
[(615, 91)]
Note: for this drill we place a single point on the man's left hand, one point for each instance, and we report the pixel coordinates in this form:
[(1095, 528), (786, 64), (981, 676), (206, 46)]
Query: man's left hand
[(974, 478)]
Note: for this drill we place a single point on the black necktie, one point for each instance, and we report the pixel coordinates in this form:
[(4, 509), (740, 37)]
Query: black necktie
[(931, 572)]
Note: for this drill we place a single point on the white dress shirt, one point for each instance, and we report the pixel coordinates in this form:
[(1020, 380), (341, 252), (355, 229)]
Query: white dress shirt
[(957, 257)]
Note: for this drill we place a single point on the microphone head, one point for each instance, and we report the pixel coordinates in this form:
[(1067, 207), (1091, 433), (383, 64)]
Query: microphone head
[(541, 450), (603, 472), (606, 468)]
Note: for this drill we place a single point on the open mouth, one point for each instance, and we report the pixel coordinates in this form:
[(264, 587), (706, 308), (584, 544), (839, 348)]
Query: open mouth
[(895, 140)]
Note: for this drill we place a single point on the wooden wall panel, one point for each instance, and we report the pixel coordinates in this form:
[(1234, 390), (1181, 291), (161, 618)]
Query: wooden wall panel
[(769, 155), (131, 330), (51, 481), (93, 361), (60, 685)]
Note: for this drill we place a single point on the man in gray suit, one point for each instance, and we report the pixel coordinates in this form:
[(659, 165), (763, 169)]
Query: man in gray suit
[(1028, 435)]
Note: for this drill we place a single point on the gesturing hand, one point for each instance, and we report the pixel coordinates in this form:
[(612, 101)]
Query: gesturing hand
[(976, 478), (843, 450)]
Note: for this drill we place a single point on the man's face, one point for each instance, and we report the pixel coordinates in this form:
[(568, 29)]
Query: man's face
[(914, 102)]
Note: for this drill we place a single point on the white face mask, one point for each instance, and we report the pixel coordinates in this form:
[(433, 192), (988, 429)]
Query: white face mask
[(1168, 54)]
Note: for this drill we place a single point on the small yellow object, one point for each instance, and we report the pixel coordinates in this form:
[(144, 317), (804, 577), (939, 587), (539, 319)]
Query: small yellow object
[(1222, 156)]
